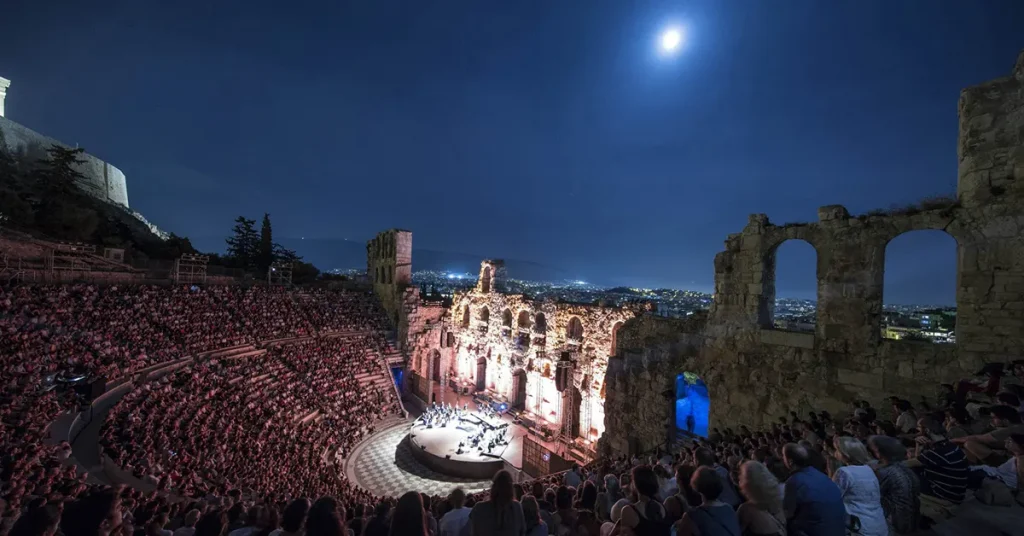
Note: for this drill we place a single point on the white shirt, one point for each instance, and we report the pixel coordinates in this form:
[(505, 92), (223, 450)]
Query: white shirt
[(454, 522), (863, 498), (1006, 473)]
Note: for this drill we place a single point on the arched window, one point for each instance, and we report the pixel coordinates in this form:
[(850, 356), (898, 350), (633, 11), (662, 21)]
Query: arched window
[(692, 405), (540, 330), (465, 316), (391, 277), (919, 289), (575, 330), (506, 319), (540, 325), (485, 319), (485, 279), (524, 323), (615, 338), (789, 300)]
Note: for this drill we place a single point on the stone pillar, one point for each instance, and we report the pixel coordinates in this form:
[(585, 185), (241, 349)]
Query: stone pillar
[(850, 291), (4, 84), (990, 150)]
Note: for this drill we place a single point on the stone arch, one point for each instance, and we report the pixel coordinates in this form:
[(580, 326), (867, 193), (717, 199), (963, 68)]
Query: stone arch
[(924, 258), (506, 319), (519, 389), (540, 324), (540, 330), (465, 316), (485, 319), (574, 332), (692, 405), (796, 318), (524, 323), (485, 279)]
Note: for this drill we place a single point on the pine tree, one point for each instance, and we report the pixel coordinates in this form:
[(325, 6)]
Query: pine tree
[(243, 244), (266, 248), (58, 173)]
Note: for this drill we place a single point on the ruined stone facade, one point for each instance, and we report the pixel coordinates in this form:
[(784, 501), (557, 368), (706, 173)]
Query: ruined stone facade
[(755, 373), (389, 267), (511, 346)]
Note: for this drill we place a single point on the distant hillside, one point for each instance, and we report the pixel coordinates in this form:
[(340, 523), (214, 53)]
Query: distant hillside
[(328, 254)]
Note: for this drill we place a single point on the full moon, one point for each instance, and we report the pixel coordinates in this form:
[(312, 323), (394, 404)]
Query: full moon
[(671, 39)]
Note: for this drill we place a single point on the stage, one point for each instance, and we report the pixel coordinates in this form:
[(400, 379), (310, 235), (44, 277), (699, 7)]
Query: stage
[(445, 443)]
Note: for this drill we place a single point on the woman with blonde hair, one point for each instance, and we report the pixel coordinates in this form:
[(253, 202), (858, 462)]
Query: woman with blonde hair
[(859, 486), (762, 514)]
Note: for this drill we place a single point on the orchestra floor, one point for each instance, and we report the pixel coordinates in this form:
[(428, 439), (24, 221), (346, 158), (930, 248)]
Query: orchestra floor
[(384, 464)]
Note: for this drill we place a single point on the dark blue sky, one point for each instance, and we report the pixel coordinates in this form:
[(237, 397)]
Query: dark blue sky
[(537, 130)]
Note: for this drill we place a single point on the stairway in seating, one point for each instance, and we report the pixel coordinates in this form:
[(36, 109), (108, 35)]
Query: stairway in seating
[(387, 361)]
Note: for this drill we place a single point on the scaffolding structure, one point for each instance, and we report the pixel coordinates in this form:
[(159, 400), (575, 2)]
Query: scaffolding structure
[(565, 436), (586, 418), (68, 257), (280, 273), (190, 269), (11, 269)]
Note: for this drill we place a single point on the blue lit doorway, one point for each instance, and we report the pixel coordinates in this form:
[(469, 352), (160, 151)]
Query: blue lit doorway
[(692, 404)]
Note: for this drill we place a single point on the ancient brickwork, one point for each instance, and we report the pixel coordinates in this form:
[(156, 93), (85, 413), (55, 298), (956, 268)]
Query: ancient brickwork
[(756, 373), (511, 345), (389, 267), (991, 144)]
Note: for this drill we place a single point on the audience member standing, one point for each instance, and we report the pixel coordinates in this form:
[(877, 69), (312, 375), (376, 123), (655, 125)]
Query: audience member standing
[(409, 519), (456, 521), (500, 515)]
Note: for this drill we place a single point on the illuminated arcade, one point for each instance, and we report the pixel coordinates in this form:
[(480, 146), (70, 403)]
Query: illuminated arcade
[(544, 361)]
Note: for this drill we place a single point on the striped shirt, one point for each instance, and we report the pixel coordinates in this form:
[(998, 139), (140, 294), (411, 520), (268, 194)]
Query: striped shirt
[(945, 470)]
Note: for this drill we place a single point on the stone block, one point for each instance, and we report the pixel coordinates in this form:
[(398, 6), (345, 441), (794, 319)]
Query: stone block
[(833, 212), (787, 338), (858, 379)]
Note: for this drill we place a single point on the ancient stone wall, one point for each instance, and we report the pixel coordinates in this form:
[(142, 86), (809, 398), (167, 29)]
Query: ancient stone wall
[(389, 267), (102, 180), (511, 346), (991, 141), (756, 373)]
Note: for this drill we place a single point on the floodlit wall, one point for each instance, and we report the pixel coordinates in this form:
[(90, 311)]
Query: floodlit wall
[(755, 373), (102, 180)]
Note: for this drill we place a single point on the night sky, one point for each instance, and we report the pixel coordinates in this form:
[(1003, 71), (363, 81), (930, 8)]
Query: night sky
[(548, 131)]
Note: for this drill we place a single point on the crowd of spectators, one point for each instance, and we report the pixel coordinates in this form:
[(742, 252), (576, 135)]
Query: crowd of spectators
[(257, 423), (241, 445), (52, 336)]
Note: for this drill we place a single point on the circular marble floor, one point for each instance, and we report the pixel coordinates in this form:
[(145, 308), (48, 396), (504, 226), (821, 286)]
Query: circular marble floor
[(383, 464)]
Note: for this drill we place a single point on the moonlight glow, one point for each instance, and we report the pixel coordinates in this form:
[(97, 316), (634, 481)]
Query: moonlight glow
[(671, 40)]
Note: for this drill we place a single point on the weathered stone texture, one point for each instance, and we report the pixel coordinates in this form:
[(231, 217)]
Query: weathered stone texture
[(389, 267), (755, 373), (500, 334), (991, 144)]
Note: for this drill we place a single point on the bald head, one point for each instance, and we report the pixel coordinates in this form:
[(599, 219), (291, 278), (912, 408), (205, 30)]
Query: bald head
[(796, 456)]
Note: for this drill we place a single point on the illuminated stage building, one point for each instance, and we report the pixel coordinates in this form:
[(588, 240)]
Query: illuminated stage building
[(545, 360)]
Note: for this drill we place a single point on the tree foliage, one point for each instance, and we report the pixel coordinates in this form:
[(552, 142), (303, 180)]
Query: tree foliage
[(243, 244), (43, 196), (265, 255)]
